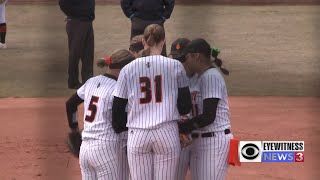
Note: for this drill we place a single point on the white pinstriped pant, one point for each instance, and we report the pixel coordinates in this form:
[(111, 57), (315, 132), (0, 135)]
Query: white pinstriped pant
[(209, 157), (153, 154), (123, 162), (184, 163), (99, 160)]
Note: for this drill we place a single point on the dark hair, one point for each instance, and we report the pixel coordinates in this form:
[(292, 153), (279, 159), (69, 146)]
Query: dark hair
[(214, 53), (136, 44), (153, 34), (117, 60), (203, 47), (218, 62)]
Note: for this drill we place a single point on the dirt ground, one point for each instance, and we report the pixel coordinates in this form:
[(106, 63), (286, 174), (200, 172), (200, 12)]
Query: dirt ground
[(269, 50), (32, 137)]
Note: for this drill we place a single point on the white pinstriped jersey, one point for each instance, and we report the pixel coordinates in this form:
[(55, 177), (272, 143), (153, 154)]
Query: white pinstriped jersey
[(98, 98), (124, 135), (195, 95), (151, 86), (3, 12), (211, 84)]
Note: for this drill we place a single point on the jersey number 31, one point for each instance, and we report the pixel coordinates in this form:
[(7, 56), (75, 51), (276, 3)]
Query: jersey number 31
[(92, 109), (145, 87)]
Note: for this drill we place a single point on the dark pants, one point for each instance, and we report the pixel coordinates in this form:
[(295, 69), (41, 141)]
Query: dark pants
[(81, 46), (138, 25), (3, 32)]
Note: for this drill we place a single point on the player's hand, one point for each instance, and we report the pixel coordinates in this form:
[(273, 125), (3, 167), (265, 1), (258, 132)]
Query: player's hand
[(185, 140), (184, 118), (74, 141)]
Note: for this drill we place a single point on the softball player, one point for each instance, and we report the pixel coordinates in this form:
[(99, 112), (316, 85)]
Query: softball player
[(99, 152), (157, 93), (210, 130), (184, 160), (3, 24)]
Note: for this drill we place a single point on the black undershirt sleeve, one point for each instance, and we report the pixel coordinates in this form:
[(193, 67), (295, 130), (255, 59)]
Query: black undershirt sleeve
[(119, 115), (184, 101), (71, 107), (207, 117)]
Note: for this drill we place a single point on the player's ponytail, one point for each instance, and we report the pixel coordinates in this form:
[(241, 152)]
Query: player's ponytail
[(101, 63), (117, 60), (218, 62), (153, 34)]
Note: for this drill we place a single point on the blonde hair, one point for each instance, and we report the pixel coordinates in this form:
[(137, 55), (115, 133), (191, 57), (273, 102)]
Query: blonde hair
[(118, 59), (153, 34)]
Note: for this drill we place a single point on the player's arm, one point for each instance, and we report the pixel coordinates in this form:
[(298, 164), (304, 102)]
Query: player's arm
[(120, 101), (211, 90), (72, 108), (168, 8), (126, 6), (184, 102), (119, 115), (207, 117)]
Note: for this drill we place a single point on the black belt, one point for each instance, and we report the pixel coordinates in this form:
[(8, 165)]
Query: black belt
[(208, 134)]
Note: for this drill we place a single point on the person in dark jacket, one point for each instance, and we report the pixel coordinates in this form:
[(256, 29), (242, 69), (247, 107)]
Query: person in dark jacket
[(80, 15), (145, 12)]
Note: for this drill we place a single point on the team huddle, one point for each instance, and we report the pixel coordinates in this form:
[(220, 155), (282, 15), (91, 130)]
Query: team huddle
[(152, 117)]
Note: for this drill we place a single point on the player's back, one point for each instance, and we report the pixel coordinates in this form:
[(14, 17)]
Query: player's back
[(153, 91), (98, 99), (212, 84)]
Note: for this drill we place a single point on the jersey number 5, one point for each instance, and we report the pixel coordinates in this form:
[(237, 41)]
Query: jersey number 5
[(145, 87), (92, 109)]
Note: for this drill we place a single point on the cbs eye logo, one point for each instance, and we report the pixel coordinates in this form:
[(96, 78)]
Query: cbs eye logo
[(250, 151)]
